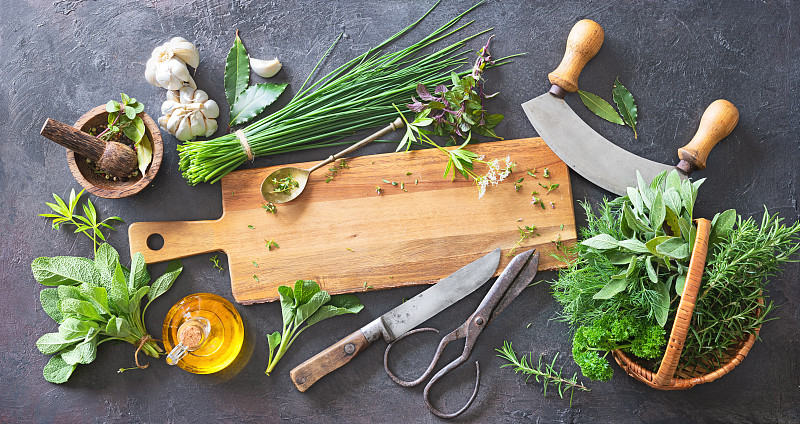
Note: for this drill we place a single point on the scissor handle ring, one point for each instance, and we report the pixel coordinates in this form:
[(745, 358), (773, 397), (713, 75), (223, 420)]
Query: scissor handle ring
[(397, 379)]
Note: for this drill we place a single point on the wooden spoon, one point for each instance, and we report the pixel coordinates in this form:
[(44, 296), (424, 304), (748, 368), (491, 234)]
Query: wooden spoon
[(268, 187), (114, 158)]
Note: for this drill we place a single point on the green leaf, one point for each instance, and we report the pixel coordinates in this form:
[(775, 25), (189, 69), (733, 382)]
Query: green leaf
[(75, 329), (657, 212), (626, 105), (688, 196), (274, 340), (635, 198), (633, 221), (673, 222), (672, 200), (674, 247), (661, 306), (654, 242), (136, 300), (106, 260), (82, 353), (144, 154), (49, 299), (57, 370), (722, 225), (64, 270), (80, 309), (139, 276), (633, 266), (112, 106), (164, 282), (305, 310), (651, 271), (304, 290), (118, 291), (237, 72), (618, 258), (51, 343), (673, 181), (118, 327), (601, 242), (288, 304), (338, 305), (633, 245), (680, 283), (600, 107), (611, 288), (686, 226), (253, 101)]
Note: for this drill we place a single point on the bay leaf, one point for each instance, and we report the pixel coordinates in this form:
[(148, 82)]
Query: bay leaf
[(626, 105), (237, 71), (144, 154), (600, 107), (253, 100)]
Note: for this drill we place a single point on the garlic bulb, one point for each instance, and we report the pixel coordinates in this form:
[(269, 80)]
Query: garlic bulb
[(265, 68), (189, 113), (167, 64)]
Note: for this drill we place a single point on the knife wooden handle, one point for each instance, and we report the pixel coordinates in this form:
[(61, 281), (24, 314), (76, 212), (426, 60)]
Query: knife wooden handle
[(330, 359), (583, 43), (717, 122)]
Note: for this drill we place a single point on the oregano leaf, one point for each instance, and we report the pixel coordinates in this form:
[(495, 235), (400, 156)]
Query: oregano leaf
[(253, 100), (600, 107), (626, 105)]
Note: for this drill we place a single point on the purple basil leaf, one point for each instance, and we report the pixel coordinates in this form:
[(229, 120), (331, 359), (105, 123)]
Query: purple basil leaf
[(423, 93), (440, 89), (417, 106)]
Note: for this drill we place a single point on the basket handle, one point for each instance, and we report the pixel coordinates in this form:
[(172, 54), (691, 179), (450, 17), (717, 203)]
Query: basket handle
[(683, 318)]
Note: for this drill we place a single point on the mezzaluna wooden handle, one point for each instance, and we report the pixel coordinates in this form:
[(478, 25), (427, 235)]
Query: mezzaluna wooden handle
[(583, 43), (330, 359), (181, 238), (718, 121)]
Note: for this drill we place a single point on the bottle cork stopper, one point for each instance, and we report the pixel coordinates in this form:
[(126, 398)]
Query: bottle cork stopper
[(190, 334)]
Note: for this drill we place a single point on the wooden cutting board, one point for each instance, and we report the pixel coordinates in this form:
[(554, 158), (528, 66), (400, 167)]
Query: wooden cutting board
[(348, 237)]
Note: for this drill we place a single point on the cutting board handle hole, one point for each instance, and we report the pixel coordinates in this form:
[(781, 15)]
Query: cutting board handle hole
[(155, 242)]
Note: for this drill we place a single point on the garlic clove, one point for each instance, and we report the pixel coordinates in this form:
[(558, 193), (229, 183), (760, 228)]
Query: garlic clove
[(168, 107), (265, 68), (200, 96), (211, 126), (210, 109), (178, 69), (162, 122), (197, 123), (173, 96), (184, 131), (173, 122), (163, 76), (186, 94), (150, 72), (185, 50)]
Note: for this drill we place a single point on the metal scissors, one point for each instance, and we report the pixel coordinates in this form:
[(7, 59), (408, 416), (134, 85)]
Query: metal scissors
[(514, 278)]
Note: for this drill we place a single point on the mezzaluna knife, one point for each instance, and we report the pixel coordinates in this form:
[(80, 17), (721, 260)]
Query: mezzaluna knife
[(587, 152), (399, 320)]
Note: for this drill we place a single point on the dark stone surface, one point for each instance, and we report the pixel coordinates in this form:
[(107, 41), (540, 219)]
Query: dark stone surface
[(61, 58)]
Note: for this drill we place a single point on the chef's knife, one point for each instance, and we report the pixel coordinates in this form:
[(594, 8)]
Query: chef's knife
[(587, 152), (399, 320)]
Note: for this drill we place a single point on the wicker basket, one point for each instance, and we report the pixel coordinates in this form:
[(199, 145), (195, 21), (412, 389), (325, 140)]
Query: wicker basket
[(666, 378)]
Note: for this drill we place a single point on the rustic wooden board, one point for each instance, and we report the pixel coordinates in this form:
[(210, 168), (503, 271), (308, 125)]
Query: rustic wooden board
[(345, 235)]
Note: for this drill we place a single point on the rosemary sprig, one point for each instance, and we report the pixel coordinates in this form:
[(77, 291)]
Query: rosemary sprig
[(545, 373)]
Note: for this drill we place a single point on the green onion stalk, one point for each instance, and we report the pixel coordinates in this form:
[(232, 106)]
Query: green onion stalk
[(357, 95)]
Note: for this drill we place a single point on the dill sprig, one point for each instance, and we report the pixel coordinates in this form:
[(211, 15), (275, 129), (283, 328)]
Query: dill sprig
[(545, 373)]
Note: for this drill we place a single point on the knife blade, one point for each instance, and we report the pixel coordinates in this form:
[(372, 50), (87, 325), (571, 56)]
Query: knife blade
[(399, 320), (587, 152)]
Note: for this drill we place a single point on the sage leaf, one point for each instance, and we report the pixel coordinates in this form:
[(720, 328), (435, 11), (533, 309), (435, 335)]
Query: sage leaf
[(651, 271), (600, 107), (274, 341), (118, 327), (611, 288), (164, 282), (49, 299), (139, 276), (688, 196), (237, 71), (80, 309), (680, 283), (305, 310), (117, 290), (81, 353), (253, 100), (654, 242), (674, 247), (633, 266), (657, 212), (57, 370), (626, 105), (635, 198), (633, 221), (74, 329), (304, 290), (144, 154), (601, 242), (722, 225), (673, 222), (136, 300), (661, 306), (673, 180), (105, 260), (51, 343), (619, 258), (61, 270), (98, 296), (338, 305), (672, 200), (633, 245)]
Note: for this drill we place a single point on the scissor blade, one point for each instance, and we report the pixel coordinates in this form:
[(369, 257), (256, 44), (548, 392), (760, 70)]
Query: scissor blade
[(584, 150), (522, 280), (446, 292)]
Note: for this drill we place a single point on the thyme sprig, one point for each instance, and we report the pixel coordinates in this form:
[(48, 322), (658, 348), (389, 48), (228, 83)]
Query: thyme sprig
[(544, 372), (285, 184)]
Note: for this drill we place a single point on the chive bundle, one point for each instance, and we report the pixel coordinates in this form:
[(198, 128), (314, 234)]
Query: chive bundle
[(356, 96)]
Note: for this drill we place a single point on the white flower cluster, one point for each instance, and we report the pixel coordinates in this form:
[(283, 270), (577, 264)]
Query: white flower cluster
[(494, 175)]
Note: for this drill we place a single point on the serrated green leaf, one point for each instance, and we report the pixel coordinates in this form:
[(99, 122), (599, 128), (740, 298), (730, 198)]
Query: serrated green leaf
[(57, 370), (626, 105), (611, 288), (144, 154), (64, 270), (253, 100), (601, 242), (600, 107), (49, 299), (237, 72)]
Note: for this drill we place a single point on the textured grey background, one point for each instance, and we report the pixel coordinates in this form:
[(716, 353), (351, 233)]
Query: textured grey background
[(60, 58)]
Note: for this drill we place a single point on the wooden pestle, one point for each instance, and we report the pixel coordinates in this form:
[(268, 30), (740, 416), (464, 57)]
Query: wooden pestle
[(114, 158)]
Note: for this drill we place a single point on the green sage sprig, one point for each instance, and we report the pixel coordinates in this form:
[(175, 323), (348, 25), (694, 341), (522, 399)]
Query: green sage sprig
[(86, 224)]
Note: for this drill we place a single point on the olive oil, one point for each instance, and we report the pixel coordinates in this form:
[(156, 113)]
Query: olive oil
[(222, 333)]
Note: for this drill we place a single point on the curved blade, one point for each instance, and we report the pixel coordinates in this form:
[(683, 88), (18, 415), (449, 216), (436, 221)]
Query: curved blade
[(584, 150), (446, 292)]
